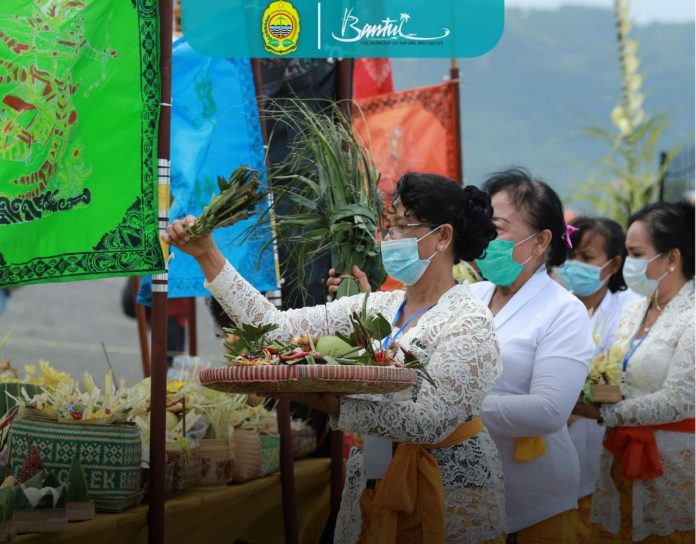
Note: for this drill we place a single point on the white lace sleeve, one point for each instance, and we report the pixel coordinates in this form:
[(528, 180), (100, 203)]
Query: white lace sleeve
[(674, 401), (244, 304), (464, 362)]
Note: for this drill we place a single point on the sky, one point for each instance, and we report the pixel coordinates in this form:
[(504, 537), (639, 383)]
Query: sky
[(643, 11)]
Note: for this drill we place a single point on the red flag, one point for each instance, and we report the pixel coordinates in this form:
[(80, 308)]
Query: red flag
[(372, 77), (410, 130)]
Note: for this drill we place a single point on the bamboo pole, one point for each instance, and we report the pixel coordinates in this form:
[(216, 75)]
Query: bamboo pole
[(192, 326), (454, 78), (158, 384)]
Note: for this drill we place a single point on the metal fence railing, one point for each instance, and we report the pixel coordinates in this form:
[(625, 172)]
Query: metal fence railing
[(678, 181)]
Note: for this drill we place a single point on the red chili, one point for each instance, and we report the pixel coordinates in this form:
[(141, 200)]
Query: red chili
[(293, 356), (76, 416)]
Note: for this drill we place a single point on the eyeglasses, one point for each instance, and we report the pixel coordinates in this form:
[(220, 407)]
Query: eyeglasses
[(397, 231)]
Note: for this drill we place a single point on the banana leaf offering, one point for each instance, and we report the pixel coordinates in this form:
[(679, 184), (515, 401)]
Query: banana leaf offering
[(239, 195)]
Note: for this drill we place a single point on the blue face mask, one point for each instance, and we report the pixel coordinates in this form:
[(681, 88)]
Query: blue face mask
[(635, 272), (498, 266), (582, 279), (402, 261)]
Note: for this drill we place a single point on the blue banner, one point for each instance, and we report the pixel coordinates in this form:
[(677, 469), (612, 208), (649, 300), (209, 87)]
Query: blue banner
[(343, 28), (215, 129)]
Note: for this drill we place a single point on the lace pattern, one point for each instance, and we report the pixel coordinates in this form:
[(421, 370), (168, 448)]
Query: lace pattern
[(457, 337), (659, 389)]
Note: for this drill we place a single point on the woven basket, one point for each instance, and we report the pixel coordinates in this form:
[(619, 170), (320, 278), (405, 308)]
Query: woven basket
[(216, 462), (255, 454), (8, 531), (51, 520), (606, 394), (308, 379), (304, 443), (80, 511), (109, 454), (185, 469)]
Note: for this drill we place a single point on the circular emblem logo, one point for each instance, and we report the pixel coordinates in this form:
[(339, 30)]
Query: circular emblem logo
[(280, 28)]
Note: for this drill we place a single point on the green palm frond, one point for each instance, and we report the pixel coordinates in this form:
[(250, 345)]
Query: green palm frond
[(325, 195)]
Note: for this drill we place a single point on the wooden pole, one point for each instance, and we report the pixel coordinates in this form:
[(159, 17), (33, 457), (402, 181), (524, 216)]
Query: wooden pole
[(287, 473), (663, 176), (158, 384), (287, 462), (454, 78), (141, 320), (192, 326)]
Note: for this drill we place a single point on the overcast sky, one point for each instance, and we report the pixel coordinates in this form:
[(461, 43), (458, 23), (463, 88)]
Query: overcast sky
[(643, 11)]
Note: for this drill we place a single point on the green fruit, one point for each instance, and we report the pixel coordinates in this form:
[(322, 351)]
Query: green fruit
[(333, 346)]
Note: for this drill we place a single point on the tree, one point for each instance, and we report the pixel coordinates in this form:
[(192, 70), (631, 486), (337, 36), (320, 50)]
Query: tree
[(626, 178)]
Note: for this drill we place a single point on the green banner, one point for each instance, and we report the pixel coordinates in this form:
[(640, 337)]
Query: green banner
[(79, 98)]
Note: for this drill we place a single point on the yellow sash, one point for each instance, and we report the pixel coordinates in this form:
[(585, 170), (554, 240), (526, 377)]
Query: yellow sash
[(529, 448), (410, 500)]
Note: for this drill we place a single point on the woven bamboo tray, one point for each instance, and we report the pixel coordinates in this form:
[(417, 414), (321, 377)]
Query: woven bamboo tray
[(308, 379)]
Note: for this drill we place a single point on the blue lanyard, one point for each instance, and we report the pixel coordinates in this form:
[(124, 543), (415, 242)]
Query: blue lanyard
[(398, 315), (631, 351)]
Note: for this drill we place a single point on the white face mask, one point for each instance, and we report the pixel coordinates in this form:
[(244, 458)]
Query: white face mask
[(635, 274)]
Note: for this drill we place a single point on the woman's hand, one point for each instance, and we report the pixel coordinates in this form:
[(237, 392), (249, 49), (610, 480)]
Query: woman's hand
[(334, 281), (585, 409), (329, 403), (176, 236)]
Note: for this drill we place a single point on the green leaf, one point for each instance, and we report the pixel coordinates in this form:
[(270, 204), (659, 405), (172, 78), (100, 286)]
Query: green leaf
[(379, 327), (76, 483), (348, 287)]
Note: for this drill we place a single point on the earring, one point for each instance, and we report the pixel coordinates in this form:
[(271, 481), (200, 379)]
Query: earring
[(671, 269), (439, 248)]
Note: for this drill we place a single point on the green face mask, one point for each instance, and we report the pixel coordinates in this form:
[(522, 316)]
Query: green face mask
[(498, 266)]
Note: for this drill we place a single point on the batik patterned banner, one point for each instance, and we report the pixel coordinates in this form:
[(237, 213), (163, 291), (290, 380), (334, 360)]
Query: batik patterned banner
[(372, 77), (215, 129), (79, 98), (410, 130)]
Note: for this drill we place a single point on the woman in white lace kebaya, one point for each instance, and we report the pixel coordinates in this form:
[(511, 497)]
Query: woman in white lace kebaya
[(593, 274), (434, 223), (645, 488)]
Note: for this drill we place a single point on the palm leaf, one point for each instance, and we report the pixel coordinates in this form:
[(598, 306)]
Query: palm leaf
[(324, 193)]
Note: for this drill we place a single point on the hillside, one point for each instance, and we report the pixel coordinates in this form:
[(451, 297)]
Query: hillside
[(523, 102)]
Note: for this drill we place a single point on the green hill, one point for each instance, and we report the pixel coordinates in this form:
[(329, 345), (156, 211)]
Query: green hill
[(523, 103)]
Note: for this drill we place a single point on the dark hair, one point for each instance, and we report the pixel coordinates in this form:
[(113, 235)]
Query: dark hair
[(671, 225), (614, 243), (538, 202), (437, 200)]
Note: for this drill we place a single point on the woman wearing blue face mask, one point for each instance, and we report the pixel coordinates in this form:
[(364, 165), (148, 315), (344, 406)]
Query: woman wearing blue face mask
[(593, 274), (433, 223), (546, 345), (645, 488)]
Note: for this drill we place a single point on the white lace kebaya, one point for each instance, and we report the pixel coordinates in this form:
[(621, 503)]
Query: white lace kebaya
[(659, 389), (458, 339)]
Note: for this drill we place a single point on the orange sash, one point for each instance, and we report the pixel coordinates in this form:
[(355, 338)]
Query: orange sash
[(635, 448), (527, 449), (410, 501)]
